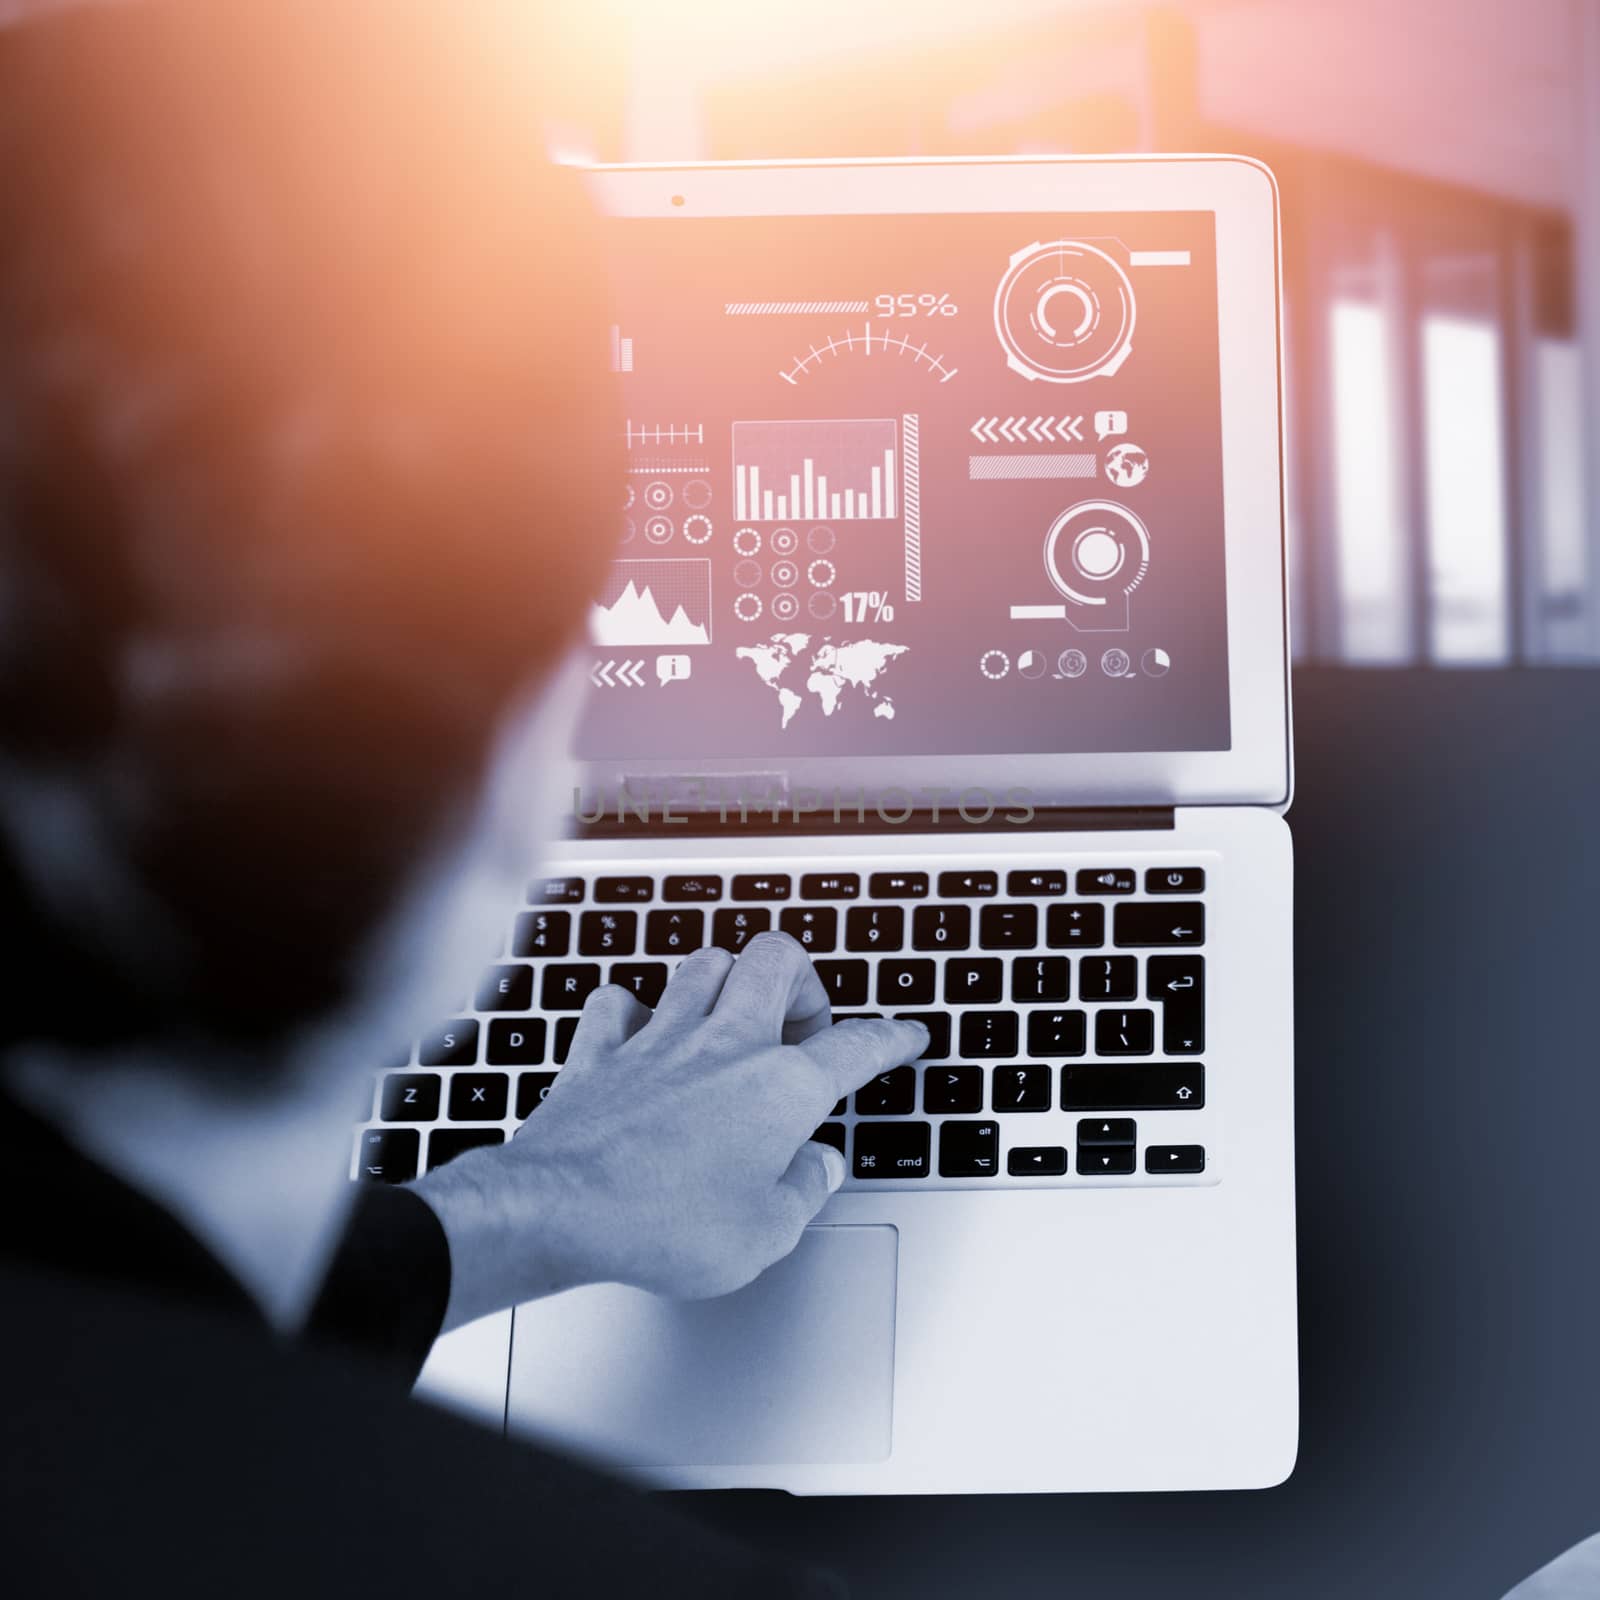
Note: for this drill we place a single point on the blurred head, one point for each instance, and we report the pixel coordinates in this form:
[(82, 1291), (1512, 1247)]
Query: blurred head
[(306, 471)]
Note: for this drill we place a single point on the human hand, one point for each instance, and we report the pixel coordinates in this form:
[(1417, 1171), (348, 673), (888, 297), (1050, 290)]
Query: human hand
[(673, 1150)]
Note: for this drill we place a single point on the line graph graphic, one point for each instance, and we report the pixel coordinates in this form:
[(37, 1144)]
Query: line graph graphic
[(646, 603), (894, 346)]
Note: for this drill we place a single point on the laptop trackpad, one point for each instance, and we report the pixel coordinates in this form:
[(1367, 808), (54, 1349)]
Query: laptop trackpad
[(796, 1367)]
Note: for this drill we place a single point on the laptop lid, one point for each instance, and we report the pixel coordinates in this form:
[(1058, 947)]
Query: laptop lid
[(944, 478)]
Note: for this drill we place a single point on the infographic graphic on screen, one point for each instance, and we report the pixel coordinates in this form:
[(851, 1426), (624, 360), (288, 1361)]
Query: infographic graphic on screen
[(914, 484)]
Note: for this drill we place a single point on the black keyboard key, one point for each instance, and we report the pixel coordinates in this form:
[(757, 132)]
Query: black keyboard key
[(568, 984), (619, 891), (1073, 926), (1134, 1086), (831, 1133), (733, 928), (410, 1097), (898, 885), (1105, 880), (1036, 978), (644, 980), (988, 1033), (532, 1087), (387, 1155), (952, 1090), (1105, 1160), (969, 885), (542, 933), (516, 1044), (813, 928), (911, 982), (1057, 1033), (890, 1094), (874, 928), (1125, 1033), (969, 1149), (508, 988), (1007, 927), (677, 890), (892, 1150), (674, 933), (1175, 880), (938, 1025), (978, 982), (1037, 1161), (555, 891), (479, 1096), (1149, 923), (845, 981), (1175, 1158), (1108, 978), (830, 886), (1036, 884), (1179, 983), (761, 886), (454, 1044), (941, 928), (445, 1144), (608, 933), (1021, 1089), (566, 1032), (1107, 1130)]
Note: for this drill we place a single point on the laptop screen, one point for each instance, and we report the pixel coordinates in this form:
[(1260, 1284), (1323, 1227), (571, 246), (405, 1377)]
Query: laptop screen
[(914, 485)]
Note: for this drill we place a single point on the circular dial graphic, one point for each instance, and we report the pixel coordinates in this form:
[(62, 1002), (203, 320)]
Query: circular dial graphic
[(1064, 312), (1096, 554)]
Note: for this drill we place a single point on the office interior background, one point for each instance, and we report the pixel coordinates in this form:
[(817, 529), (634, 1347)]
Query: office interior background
[(1440, 170)]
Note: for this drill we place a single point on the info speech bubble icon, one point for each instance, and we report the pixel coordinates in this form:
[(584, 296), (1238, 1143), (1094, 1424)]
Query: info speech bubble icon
[(669, 668), (1107, 423)]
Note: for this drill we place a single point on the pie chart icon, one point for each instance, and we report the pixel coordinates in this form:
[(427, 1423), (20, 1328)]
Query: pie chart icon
[(1156, 663), (1031, 664)]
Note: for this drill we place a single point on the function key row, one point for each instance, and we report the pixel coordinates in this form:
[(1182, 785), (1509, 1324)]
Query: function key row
[(1028, 883)]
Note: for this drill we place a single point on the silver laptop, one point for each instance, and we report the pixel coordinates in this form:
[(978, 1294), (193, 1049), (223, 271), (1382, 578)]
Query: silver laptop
[(948, 634)]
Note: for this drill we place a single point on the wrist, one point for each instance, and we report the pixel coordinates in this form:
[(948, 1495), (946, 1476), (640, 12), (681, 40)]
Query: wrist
[(504, 1232)]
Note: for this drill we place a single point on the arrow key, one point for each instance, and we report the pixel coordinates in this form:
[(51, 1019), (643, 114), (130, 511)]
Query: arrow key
[(1037, 1161), (947, 1090), (1175, 1158), (1105, 1160)]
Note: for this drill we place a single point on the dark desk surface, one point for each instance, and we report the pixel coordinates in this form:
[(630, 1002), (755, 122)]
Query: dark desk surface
[(1448, 1089)]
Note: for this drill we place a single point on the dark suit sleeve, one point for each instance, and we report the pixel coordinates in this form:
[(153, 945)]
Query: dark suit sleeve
[(388, 1284)]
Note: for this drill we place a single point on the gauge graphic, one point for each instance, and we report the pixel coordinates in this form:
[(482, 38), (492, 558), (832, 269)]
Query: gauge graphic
[(1072, 663), (747, 607), (1031, 664), (658, 495), (697, 494), (1157, 663), (1064, 312), (659, 530), (747, 574), (785, 541), (820, 540), (822, 605), (629, 528), (628, 499), (821, 573), (747, 542), (994, 664), (697, 529), (785, 574), (1115, 663), (785, 607), (1096, 554)]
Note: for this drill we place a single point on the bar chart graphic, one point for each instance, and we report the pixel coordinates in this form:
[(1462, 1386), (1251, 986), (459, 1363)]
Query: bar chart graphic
[(842, 470)]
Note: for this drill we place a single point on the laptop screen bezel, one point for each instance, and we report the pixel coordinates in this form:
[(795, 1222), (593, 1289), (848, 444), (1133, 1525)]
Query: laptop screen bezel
[(1242, 194)]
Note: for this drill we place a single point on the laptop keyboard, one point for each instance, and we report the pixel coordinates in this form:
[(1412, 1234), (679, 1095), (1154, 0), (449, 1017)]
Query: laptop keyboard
[(1066, 1007)]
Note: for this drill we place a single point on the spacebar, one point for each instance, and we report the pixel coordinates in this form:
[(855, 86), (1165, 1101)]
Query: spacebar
[(1137, 1086)]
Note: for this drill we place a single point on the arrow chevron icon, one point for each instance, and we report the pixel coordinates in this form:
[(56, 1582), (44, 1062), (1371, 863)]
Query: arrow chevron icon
[(1020, 430), (612, 674)]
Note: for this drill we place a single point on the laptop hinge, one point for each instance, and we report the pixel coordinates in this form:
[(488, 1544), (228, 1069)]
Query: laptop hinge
[(779, 822)]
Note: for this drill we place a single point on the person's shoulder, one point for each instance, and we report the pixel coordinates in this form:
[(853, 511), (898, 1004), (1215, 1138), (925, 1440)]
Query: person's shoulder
[(175, 1442)]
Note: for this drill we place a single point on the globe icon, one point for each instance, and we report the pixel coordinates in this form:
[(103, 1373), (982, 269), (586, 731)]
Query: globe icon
[(1127, 465)]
